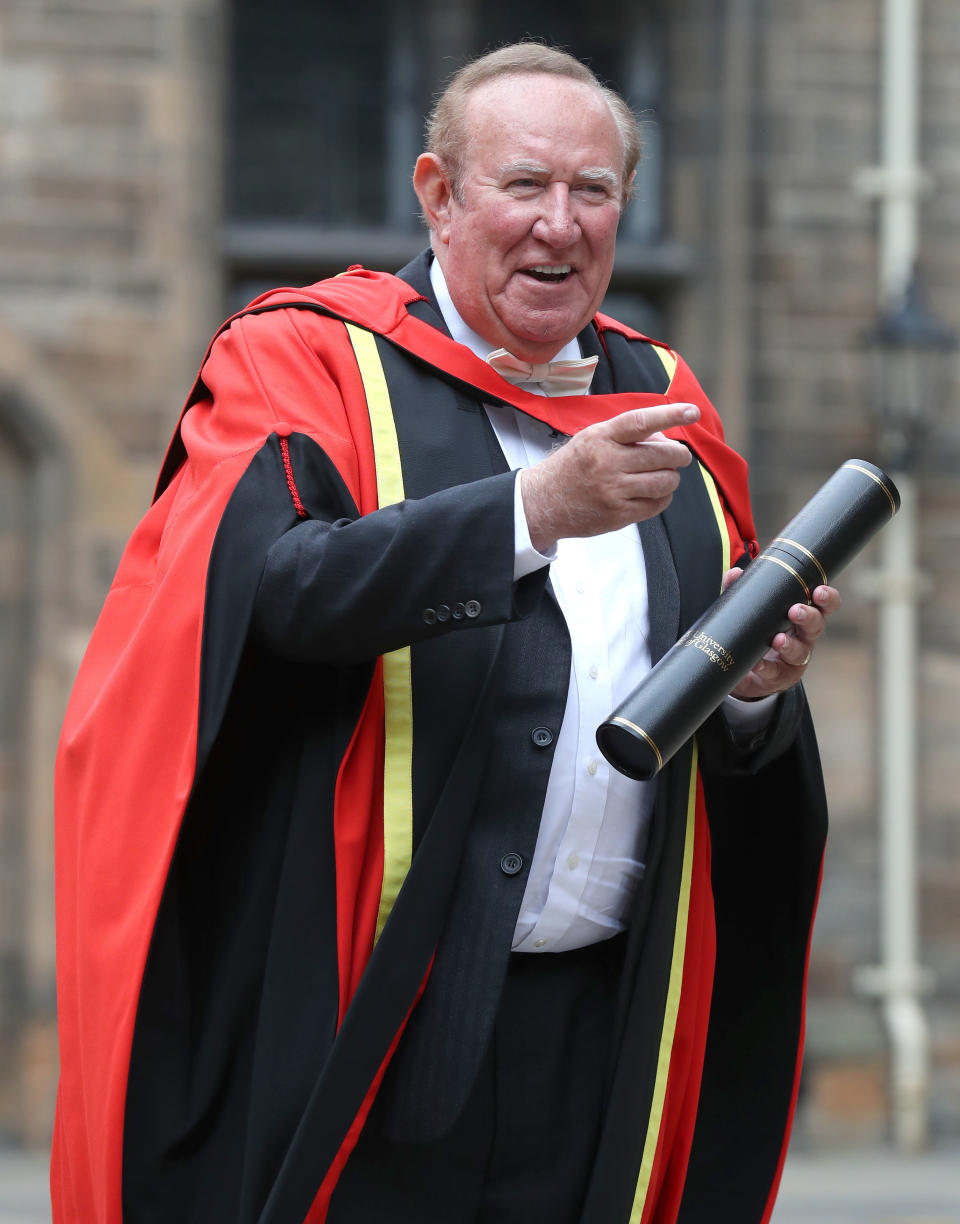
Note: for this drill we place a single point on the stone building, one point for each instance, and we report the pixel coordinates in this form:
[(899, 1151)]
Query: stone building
[(162, 162)]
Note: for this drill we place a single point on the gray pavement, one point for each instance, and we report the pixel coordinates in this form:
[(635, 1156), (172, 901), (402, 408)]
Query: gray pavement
[(847, 1187), (875, 1187), (24, 1198)]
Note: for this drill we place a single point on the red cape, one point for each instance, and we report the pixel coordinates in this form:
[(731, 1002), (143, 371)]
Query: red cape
[(129, 753)]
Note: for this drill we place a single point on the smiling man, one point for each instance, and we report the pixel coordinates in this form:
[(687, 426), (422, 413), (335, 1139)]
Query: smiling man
[(355, 922), (525, 235)]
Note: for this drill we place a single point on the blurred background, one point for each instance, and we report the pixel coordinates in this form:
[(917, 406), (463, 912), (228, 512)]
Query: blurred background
[(795, 233)]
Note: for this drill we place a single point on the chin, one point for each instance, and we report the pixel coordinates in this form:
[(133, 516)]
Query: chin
[(555, 336)]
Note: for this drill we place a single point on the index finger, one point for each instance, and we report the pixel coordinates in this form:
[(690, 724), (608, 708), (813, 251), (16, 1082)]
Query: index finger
[(827, 599), (639, 424)]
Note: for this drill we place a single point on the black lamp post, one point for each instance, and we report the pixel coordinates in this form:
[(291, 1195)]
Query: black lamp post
[(910, 350)]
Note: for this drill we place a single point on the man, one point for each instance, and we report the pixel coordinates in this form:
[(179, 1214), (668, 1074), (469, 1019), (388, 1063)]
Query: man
[(355, 922)]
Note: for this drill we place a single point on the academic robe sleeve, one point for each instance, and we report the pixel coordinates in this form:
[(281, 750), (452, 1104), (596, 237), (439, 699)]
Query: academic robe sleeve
[(341, 586), (353, 589)]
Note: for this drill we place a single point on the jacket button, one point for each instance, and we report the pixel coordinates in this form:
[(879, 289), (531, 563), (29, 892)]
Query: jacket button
[(443, 612), (429, 616), (511, 863), (457, 611), (472, 608), (542, 736)]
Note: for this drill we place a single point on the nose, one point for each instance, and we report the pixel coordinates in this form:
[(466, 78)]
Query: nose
[(556, 224)]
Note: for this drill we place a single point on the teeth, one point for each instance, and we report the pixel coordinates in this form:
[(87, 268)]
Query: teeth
[(552, 269)]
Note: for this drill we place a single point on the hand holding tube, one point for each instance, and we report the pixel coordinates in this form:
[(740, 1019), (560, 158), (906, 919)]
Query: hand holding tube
[(719, 650), (782, 666)]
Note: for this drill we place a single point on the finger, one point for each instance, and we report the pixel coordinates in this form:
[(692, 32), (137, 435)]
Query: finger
[(790, 647), (827, 599), (638, 424), (806, 623), (794, 651), (730, 576), (795, 647), (640, 488), (774, 675), (651, 456), (763, 682)]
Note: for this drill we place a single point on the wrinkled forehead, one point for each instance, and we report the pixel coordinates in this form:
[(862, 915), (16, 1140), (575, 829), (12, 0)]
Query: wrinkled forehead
[(531, 117)]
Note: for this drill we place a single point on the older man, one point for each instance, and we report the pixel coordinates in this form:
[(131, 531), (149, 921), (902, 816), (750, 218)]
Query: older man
[(355, 922)]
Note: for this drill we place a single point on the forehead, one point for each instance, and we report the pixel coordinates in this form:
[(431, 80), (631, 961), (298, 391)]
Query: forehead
[(544, 117)]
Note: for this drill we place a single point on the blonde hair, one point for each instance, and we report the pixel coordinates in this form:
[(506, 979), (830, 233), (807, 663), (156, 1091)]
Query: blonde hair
[(445, 130)]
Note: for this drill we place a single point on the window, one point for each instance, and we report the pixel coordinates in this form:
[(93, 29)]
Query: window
[(326, 116)]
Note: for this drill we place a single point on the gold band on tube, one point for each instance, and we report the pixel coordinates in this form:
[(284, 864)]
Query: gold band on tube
[(806, 552), (876, 479), (643, 735), (790, 570)]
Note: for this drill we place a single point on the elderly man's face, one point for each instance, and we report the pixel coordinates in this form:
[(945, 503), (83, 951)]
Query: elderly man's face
[(527, 255)]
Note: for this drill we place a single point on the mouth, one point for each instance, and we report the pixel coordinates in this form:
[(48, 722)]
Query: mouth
[(549, 274)]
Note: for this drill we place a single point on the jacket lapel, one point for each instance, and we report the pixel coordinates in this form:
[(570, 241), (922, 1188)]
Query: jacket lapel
[(663, 587)]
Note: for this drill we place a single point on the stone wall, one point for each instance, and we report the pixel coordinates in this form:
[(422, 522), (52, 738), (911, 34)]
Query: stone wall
[(773, 112), (110, 151), (110, 282)]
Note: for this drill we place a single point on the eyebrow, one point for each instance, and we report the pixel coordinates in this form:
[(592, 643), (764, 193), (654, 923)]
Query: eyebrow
[(602, 174), (522, 167)]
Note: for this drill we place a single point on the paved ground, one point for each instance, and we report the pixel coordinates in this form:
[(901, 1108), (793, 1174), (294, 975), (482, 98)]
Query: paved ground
[(23, 1189), (870, 1188), (840, 1188)]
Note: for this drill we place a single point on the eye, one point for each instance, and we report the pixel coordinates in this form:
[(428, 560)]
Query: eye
[(596, 190)]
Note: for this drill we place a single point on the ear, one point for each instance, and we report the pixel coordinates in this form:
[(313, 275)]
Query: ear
[(433, 191)]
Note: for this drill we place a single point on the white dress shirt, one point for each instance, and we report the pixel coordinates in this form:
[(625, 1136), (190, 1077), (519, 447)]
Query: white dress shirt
[(595, 823)]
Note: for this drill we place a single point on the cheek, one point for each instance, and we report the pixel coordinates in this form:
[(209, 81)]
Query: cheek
[(502, 227), (486, 253), (599, 222)]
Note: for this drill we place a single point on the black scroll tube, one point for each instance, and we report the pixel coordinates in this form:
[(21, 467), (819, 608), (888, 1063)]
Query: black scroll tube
[(693, 677)]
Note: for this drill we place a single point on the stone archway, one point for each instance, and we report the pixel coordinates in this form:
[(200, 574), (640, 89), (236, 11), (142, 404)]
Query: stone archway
[(15, 482), (62, 483), (34, 485)]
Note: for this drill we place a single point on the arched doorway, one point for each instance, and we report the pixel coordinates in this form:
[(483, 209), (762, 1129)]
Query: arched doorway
[(67, 498), (15, 495), (34, 493)]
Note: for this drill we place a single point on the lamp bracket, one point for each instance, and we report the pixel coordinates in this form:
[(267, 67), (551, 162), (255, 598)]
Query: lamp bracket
[(887, 182)]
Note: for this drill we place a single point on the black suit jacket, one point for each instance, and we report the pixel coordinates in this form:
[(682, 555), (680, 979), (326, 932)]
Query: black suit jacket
[(436, 1063)]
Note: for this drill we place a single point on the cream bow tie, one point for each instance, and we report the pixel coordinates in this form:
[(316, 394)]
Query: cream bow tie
[(555, 377)]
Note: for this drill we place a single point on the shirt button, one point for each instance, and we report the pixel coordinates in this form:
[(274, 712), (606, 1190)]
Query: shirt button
[(457, 611), (592, 768), (573, 861), (429, 616), (539, 943), (472, 608), (581, 587), (542, 737), (443, 612), (594, 672), (511, 863)]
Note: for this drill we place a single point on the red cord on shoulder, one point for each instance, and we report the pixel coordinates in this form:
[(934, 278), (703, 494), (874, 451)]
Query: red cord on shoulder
[(291, 483)]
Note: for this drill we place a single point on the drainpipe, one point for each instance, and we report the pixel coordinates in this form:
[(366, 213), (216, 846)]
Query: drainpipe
[(899, 981)]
